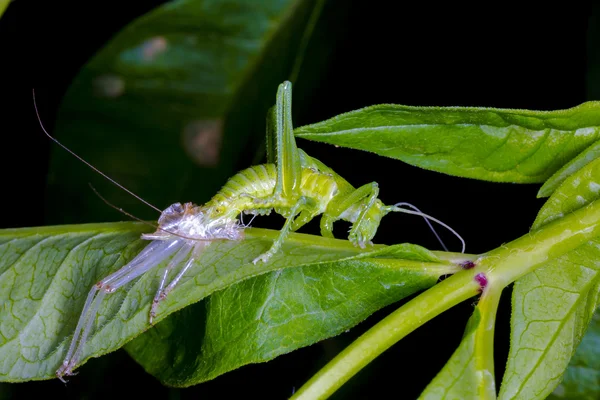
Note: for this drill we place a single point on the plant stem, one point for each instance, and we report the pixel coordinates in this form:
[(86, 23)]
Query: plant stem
[(509, 262), (484, 342), (387, 332)]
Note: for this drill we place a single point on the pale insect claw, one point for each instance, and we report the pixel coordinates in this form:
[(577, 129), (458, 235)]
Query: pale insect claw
[(155, 303), (65, 370)]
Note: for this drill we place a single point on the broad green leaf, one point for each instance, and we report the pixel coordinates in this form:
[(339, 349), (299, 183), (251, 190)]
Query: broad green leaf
[(469, 374), (263, 317), (46, 274), (175, 103), (576, 191), (552, 307), (588, 155), (500, 145), (581, 381)]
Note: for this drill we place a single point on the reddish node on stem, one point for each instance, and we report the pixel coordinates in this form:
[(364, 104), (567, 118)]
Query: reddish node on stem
[(467, 264), (482, 280)]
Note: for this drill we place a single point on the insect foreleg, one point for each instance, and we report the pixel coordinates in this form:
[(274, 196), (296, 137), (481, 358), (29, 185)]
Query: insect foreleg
[(360, 206)]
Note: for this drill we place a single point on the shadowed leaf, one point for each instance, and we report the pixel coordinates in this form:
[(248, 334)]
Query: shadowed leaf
[(175, 103)]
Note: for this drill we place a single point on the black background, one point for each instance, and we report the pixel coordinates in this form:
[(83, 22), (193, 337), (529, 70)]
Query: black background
[(415, 53)]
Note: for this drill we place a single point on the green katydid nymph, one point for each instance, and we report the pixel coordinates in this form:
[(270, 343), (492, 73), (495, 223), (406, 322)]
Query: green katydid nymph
[(292, 183)]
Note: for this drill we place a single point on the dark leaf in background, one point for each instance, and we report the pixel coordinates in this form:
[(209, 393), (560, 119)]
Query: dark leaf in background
[(174, 102)]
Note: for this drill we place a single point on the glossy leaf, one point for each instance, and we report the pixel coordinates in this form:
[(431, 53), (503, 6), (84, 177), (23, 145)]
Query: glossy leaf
[(577, 191), (275, 313), (582, 378), (552, 307), (46, 274), (175, 103), (588, 155), (500, 145)]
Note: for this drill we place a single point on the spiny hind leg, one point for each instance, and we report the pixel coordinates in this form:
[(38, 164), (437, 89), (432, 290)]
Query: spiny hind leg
[(287, 227)]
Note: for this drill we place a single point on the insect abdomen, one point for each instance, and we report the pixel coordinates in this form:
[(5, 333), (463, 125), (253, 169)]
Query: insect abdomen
[(256, 181)]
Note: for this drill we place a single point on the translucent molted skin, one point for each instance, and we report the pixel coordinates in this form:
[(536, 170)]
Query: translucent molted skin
[(193, 223), (183, 233)]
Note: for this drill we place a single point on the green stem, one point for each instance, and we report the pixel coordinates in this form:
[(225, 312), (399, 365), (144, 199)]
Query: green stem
[(484, 342), (499, 267), (509, 262)]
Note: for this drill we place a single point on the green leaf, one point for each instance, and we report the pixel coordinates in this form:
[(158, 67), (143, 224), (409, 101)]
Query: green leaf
[(577, 191), (46, 274), (552, 307), (582, 378), (500, 145), (175, 102), (274, 314), (588, 155)]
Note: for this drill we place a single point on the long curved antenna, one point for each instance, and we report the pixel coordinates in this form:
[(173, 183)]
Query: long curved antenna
[(85, 162), (119, 209), (426, 221), (396, 207)]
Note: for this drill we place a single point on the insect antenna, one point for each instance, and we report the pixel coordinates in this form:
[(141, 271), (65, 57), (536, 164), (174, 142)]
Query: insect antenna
[(85, 162), (119, 209), (397, 207)]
